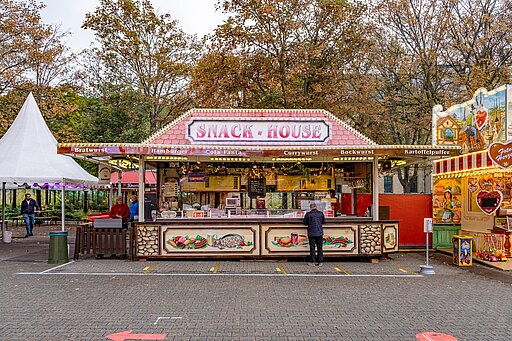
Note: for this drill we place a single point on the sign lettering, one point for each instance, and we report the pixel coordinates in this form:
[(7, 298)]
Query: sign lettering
[(501, 154), (255, 131)]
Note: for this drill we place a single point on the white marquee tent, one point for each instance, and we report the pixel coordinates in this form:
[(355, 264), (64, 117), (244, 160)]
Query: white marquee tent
[(29, 155)]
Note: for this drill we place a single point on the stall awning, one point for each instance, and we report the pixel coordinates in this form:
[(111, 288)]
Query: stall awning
[(133, 178), (413, 151), (464, 163)]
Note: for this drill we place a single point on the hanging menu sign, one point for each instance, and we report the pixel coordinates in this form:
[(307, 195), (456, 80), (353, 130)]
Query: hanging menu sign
[(256, 187)]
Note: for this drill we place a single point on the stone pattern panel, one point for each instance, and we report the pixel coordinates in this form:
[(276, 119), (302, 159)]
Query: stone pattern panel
[(147, 241), (370, 239)]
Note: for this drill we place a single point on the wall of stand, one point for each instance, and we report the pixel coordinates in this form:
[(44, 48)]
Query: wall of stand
[(253, 238)]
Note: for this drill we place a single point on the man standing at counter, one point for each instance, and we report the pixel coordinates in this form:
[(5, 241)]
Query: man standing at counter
[(314, 219)]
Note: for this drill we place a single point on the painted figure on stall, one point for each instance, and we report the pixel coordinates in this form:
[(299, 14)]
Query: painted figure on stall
[(28, 209), (448, 207), (473, 137), (465, 254)]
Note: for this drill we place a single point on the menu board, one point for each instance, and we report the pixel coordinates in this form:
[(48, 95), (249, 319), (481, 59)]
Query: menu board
[(256, 187), (289, 183), (212, 183)]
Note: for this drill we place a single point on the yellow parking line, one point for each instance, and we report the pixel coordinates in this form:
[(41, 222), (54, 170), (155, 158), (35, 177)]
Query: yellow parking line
[(401, 268), (148, 269), (211, 269), (281, 269), (217, 266), (340, 269)]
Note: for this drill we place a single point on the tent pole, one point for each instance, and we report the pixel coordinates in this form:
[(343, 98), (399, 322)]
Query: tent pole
[(375, 188), (142, 175), (119, 181), (4, 202), (62, 204)]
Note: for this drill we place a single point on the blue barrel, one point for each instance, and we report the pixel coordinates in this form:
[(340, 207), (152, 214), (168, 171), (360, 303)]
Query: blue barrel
[(58, 252)]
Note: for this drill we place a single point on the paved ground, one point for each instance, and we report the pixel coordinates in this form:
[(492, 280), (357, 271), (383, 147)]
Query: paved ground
[(240, 300)]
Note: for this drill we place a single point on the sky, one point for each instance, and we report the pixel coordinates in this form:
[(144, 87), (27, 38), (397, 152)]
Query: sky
[(194, 16)]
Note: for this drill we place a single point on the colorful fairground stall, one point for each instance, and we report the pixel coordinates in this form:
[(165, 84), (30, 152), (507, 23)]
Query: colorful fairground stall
[(472, 192), (236, 183)]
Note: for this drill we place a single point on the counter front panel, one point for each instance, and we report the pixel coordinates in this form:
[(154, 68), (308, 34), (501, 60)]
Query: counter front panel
[(253, 238), (206, 239), (292, 239)]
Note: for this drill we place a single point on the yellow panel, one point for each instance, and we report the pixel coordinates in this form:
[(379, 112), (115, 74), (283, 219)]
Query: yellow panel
[(289, 183), (213, 183)]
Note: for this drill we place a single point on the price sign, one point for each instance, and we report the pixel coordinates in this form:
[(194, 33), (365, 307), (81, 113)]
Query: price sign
[(256, 187), (427, 225)]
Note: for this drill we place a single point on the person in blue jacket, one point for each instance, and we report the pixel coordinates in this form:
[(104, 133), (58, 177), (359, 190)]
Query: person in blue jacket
[(134, 207), (314, 219)]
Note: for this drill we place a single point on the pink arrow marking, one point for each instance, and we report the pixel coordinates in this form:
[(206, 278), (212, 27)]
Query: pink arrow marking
[(127, 335), (433, 336)]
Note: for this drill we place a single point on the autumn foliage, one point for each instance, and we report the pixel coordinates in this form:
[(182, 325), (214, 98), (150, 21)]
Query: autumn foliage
[(380, 66)]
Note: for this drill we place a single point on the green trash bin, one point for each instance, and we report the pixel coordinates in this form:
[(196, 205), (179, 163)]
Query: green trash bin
[(58, 252)]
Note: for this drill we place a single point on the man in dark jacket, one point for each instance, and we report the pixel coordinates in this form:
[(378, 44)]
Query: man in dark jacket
[(314, 219), (28, 208)]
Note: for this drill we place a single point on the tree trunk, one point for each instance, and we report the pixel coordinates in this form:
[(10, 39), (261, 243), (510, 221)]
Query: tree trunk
[(86, 202), (13, 203)]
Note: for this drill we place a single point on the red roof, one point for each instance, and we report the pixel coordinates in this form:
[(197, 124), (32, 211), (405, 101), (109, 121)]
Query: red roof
[(133, 178), (175, 132)]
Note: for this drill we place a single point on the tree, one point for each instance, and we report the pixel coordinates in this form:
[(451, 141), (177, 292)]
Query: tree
[(282, 54), (51, 62), (479, 43), (409, 80), (59, 107), (147, 51), (26, 44), (118, 115)]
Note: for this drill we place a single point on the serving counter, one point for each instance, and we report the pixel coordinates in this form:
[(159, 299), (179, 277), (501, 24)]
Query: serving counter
[(264, 237)]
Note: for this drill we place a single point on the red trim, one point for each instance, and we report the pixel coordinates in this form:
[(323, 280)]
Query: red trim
[(478, 161), (452, 165), (470, 161), (489, 161), (133, 178)]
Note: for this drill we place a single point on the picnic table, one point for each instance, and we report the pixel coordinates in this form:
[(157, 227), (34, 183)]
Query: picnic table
[(42, 217)]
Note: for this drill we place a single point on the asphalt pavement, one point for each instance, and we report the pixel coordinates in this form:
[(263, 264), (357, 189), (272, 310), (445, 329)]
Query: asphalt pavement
[(212, 299)]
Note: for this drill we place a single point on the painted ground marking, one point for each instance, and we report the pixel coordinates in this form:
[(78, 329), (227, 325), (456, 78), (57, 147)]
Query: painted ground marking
[(216, 274), (433, 336), (281, 269), (127, 335), (340, 269), (405, 270), (148, 269), (56, 267), (167, 318)]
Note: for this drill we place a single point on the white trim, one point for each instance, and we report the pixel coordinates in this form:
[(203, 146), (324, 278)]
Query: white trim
[(188, 113), (216, 274)]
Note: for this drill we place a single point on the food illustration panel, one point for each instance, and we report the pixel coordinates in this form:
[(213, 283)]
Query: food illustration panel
[(293, 239), (207, 239), (390, 238)]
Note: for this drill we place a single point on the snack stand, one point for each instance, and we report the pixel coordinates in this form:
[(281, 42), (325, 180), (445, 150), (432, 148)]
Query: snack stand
[(472, 192), (236, 183)]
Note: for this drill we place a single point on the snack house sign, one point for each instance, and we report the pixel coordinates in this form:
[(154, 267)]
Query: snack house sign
[(258, 131)]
